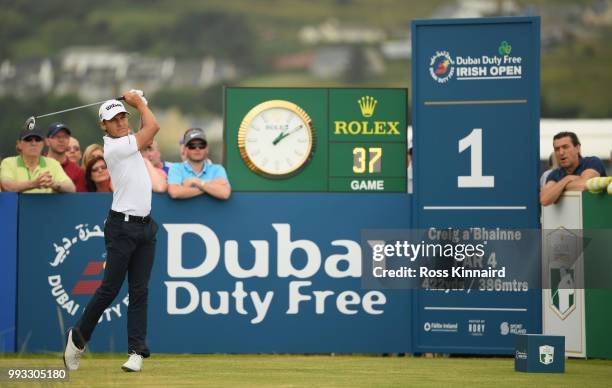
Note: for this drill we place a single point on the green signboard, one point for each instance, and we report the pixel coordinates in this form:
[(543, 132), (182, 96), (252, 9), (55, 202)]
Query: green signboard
[(316, 140), (598, 270)]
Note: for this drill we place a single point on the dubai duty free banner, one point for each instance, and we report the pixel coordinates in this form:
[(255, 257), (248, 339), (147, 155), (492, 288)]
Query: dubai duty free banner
[(258, 273), (8, 275)]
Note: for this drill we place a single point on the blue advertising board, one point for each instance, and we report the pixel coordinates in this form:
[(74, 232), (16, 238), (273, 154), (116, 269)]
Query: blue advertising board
[(8, 275), (476, 135), (262, 272)]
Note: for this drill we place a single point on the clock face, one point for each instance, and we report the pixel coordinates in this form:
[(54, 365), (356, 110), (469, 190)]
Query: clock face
[(276, 139)]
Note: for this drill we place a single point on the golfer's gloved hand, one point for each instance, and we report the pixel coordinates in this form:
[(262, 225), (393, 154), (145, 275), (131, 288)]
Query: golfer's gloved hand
[(141, 94), (137, 91)]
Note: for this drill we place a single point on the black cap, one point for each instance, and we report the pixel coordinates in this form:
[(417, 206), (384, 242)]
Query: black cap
[(194, 133), (56, 127), (25, 133)]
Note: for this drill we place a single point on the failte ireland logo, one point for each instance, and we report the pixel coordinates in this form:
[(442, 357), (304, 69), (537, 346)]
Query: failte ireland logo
[(367, 104), (441, 67), (504, 48)]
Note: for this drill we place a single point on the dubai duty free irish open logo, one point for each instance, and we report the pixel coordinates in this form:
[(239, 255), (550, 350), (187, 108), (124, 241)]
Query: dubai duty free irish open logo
[(441, 67)]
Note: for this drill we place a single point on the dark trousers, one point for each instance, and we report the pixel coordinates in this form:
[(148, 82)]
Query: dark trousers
[(130, 248)]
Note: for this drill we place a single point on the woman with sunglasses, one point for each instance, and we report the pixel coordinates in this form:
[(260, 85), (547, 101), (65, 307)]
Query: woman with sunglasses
[(30, 172), (97, 177)]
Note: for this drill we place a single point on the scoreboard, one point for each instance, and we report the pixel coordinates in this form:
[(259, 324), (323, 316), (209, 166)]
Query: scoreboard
[(316, 139)]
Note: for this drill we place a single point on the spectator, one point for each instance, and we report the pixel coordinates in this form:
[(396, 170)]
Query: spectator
[(574, 170), (74, 150), (195, 176), (58, 136), (158, 177), (182, 150), (153, 153), (552, 165), (409, 178), (92, 151), (30, 172), (97, 176), (409, 162)]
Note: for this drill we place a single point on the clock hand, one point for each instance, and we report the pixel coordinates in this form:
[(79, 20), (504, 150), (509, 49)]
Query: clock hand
[(285, 134), (278, 138), (294, 130)]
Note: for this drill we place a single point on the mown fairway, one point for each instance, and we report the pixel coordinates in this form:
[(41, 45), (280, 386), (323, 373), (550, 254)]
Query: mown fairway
[(312, 371)]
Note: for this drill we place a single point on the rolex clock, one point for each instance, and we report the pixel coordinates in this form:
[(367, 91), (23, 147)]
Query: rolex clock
[(276, 139)]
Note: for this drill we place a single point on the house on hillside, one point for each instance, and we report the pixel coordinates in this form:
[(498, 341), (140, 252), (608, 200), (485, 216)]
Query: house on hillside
[(94, 73), (332, 32), (476, 9), (150, 74), (599, 14), (397, 49), (201, 73), (334, 62), (294, 62), (26, 79)]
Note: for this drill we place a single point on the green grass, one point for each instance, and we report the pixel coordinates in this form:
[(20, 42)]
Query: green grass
[(315, 371)]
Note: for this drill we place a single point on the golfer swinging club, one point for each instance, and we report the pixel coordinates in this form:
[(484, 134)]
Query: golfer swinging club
[(129, 232)]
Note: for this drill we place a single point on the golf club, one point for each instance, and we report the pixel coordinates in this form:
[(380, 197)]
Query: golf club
[(30, 123)]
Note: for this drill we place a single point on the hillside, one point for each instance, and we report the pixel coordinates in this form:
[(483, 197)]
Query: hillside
[(257, 36)]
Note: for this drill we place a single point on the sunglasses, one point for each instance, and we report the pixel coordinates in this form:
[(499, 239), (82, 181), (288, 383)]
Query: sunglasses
[(98, 169), (32, 138), (193, 146)]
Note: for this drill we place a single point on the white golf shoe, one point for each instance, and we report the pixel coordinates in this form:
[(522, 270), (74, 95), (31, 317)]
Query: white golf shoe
[(133, 364), (72, 354)]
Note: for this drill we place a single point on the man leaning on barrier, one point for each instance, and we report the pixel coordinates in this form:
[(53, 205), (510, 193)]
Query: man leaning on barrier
[(30, 172), (574, 169), (197, 175)]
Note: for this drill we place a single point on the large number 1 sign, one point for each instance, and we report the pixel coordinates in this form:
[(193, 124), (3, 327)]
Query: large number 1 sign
[(475, 179), (476, 137)]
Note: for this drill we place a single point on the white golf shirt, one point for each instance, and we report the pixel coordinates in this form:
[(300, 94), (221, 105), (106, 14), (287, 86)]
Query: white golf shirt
[(131, 181)]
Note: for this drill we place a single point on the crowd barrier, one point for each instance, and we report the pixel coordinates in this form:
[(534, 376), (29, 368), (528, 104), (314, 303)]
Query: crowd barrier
[(258, 273), (8, 255), (580, 312)]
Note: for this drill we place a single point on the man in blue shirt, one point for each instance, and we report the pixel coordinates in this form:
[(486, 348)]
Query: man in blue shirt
[(573, 171), (197, 175)]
